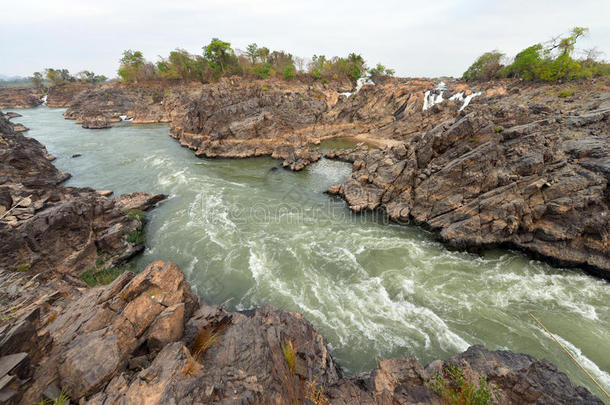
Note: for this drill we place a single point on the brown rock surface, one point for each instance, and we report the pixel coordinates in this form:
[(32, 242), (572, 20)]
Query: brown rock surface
[(52, 229), (529, 176), (61, 96), (133, 341), (20, 97)]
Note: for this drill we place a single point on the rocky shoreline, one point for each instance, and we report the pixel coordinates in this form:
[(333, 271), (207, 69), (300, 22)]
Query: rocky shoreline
[(148, 336)]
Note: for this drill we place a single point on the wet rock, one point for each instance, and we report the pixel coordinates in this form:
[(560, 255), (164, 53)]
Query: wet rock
[(76, 155)]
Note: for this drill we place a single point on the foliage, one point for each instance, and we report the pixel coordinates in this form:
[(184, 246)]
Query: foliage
[(131, 66), (59, 76), (380, 70), (137, 236), (100, 275), (90, 77), (456, 390), (23, 268), (37, 79), (551, 62), (62, 399), (289, 354), (486, 67), (352, 67), (565, 94), (290, 72), (220, 57)]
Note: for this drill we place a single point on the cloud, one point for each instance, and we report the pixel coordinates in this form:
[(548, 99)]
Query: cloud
[(414, 37)]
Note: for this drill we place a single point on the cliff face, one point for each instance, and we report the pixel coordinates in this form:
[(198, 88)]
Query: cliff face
[(532, 175), (48, 228), (20, 97), (61, 96)]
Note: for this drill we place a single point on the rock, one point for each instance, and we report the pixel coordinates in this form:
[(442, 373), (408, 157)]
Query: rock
[(19, 97), (76, 155), (530, 186), (96, 122), (20, 128), (61, 96), (57, 229), (105, 193)]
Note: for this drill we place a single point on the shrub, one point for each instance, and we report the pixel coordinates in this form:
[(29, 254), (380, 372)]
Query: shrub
[(565, 94), (486, 67), (62, 399), (316, 74), (289, 72), (455, 390), (315, 394)]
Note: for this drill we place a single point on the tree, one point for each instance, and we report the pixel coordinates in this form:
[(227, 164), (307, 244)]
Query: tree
[(381, 70), (58, 76), (251, 52), (131, 64), (90, 77), (486, 67), (219, 55), (37, 79)]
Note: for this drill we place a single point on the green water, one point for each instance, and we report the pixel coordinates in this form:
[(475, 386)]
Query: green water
[(247, 235)]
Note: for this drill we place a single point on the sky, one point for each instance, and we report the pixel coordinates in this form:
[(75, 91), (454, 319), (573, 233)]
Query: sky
[(416, 38)]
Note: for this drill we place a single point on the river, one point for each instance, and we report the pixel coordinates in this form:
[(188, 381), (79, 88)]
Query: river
[(247, 234)]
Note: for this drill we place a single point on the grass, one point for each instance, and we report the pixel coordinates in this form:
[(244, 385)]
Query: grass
[(190, 366), (206, 338), (456, 390), (497, 130), (315, 394), (23, 268), (289, 354), (138, 236), (62, 399), (565, 94), (104, 275)]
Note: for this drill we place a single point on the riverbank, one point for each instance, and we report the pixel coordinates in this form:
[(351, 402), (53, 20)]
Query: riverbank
[(250, 391)]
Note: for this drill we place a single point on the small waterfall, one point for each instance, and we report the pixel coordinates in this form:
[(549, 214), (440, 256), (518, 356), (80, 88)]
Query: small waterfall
[(363, 81), (432, 97), (44, 100)]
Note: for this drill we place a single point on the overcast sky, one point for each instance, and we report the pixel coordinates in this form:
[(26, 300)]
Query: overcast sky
[(416, 38)]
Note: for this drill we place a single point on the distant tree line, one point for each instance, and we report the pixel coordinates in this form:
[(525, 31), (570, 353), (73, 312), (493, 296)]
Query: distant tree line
[(218, 59), (56, 77), (549, 62)]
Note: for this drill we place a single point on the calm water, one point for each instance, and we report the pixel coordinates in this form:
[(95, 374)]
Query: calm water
[(246, 235)]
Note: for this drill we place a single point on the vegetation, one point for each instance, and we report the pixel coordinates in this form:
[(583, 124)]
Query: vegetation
[(219, 59), (137, 236), (551, 62), (290, 355), (565, 94), (23, 268), (62, 399), (102, 275), (207, 337), (62, 76), (315, 394), (455, 390), (190, 366)]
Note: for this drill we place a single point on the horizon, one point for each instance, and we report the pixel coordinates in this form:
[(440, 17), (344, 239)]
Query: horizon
[(436, 40)]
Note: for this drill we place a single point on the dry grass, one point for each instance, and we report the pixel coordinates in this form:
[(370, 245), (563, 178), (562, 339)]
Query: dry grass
[(190, 366), (206, 338), (289, 354), (315, 394)]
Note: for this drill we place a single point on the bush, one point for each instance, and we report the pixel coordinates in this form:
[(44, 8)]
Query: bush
[(289, 72), (455, 390), (486, 67), (100, 275), (565, 94)]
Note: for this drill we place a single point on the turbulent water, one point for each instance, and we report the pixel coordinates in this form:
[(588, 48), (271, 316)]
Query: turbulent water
[(247, 234)]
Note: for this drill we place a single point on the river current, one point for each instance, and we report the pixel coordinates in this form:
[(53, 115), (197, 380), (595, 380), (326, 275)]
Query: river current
[(247, 233)]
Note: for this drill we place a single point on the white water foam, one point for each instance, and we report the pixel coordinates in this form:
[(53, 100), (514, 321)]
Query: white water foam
[(363, 81)]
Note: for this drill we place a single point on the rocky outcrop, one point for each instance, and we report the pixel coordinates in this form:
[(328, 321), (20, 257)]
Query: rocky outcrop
[(500, 173), (20, 97), (146, 338), (50, 229), (62, 96), (109, 103)]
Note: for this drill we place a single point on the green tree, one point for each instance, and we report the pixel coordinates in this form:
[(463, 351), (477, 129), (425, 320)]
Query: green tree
[(37, 79), (219, 55), (252, 52), (130, 65), (381, 70), (58, 76), (486, 67)]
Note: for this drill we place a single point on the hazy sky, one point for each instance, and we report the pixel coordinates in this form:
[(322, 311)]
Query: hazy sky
[(416, 38)]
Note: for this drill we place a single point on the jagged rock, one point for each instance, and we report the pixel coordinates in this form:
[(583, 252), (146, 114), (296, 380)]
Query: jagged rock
[(530, 185), (57, 229), (61, 96), (20, 97)]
